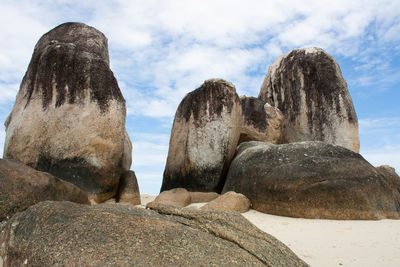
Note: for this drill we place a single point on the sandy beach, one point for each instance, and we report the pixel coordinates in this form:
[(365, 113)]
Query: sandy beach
[(328, 243)]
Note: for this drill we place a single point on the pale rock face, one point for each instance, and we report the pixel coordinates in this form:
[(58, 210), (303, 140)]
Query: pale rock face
[(261, 121), (69, 115), (204, 136), (308, 87), (230, 201)]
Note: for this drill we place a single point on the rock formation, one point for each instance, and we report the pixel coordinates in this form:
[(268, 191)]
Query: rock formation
[(390, 175), (128, 191), (204, 136), (311, 180), (64, 234), (261, 121), (21, 187), (308, 87), (230, 201), (69, 115)]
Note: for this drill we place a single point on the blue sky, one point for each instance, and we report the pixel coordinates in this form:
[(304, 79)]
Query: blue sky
[(161, 50)]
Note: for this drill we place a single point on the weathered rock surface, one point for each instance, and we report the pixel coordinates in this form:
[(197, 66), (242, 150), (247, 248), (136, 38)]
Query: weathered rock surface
[(69, 115), (204, 136), (390, 175), (311, 180), (199, 197), (261, 121), (68, 234), (177, 197), (388, 172), (21, 187), (128, 191), (308, 87), (230, 201)]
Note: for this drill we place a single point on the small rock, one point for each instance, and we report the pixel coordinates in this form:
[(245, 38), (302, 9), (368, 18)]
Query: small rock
[(128, 189), (230, 201), (177, 197)]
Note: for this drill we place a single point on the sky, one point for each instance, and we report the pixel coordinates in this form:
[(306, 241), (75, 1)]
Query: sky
[(161, 50)]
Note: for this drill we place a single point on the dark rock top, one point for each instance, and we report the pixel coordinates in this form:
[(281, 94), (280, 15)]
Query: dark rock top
[(321, 83), (209, 92), (71, 61), (307, 86)]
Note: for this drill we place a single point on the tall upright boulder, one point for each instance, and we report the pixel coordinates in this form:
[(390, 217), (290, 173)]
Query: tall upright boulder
[(308, 87), (261, 121), (69, 115), (204, 137)]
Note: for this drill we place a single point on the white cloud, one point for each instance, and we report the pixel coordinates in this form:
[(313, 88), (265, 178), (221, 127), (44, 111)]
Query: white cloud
[(380, 141), (369, 124), (175, 45), (2, 139), (388, 155), (149, 155), (150, 149), (8, 92), (149, 182)]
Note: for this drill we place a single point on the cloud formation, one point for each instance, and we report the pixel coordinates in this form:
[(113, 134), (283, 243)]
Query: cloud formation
[(173, 46)]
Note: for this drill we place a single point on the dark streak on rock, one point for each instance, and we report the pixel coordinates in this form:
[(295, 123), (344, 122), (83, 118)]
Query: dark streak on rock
[(76, 171), (254, 112), (210, 97), (71, 60), (194, 181), (321, 84)]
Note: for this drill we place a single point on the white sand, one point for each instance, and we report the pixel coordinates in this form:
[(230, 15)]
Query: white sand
[(335, 243), (328, 243)]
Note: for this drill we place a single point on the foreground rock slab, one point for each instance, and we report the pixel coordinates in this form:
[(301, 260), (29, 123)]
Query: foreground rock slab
[(69, 115), (307, 86), (69, 234), (312, 180), (204, 136), (22, 186)]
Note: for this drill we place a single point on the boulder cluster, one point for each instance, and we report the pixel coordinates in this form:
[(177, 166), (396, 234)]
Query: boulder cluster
[(68, 196), (292, 151)]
